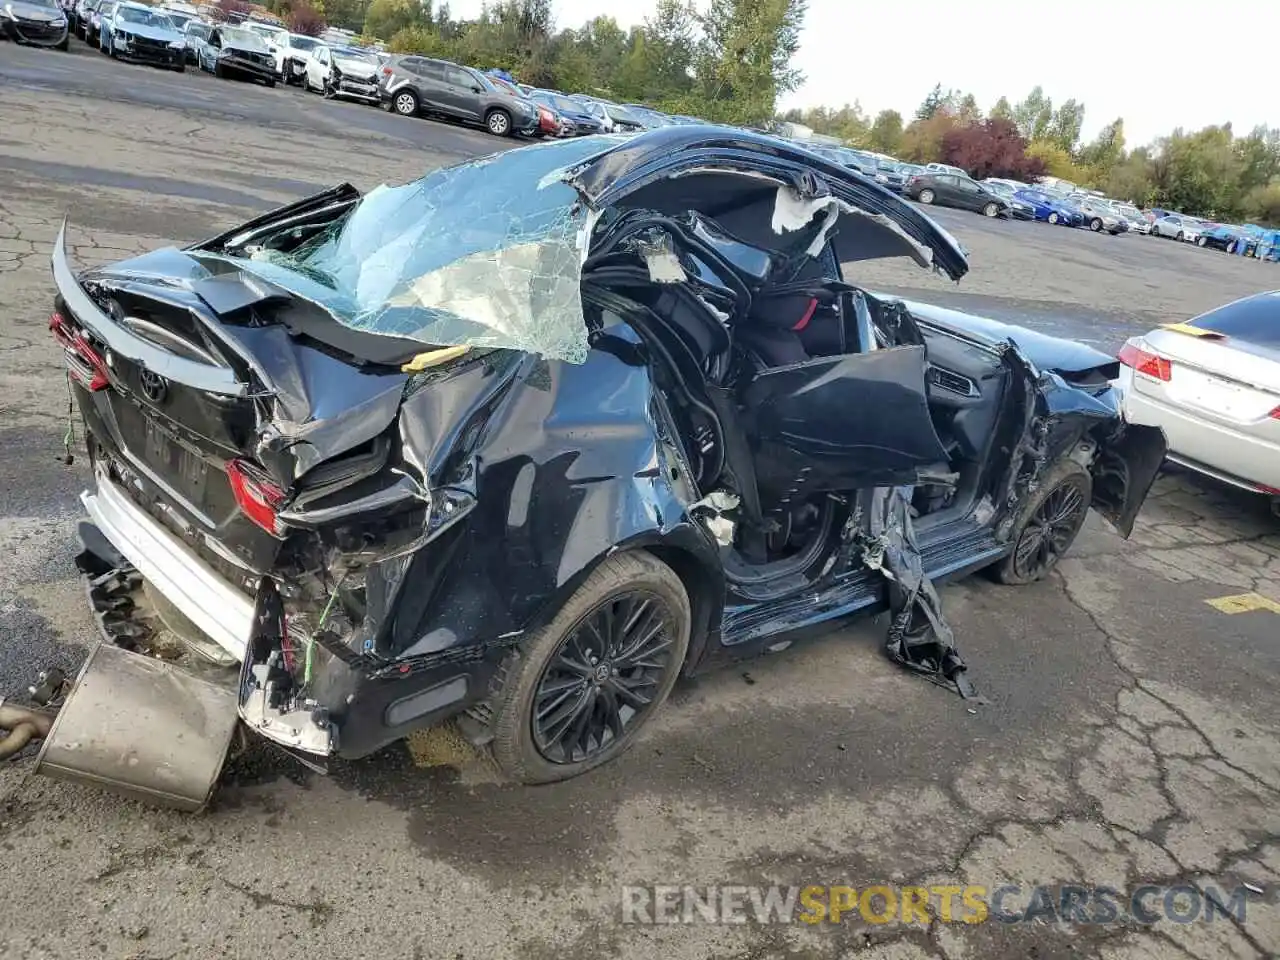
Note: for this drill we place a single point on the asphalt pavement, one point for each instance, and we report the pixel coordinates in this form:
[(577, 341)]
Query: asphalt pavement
[(1130, 736)]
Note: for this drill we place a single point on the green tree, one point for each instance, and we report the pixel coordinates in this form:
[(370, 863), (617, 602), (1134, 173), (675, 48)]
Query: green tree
[(1105, 151), (1034, 115), (747, 56), (1065, 124), (634, 78), (1130, 178), (1199, 172), (1259, 154), (886, 132), (932, 103), (386, 18), (966, 109), (1002, 110), (671, 37), (1262, 204)]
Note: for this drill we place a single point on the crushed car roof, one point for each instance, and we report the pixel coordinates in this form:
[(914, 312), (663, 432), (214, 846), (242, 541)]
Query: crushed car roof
[(490, 252)]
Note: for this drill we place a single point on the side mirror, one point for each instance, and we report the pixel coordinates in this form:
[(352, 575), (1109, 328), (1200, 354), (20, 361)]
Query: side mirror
[(476, 88)]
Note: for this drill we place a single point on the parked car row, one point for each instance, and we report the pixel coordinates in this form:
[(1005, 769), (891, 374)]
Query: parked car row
[(37, 22)]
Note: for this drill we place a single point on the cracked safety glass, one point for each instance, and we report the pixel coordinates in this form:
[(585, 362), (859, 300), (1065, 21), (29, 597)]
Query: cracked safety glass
[(485, 254)]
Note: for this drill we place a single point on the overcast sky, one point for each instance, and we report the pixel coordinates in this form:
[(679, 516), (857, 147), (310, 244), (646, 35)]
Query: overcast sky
[(1157, 64)]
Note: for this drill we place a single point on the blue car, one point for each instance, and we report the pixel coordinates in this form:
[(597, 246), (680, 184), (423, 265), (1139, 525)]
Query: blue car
[(1047, 207)]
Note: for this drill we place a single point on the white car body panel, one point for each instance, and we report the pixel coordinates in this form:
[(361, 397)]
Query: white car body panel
[(1215, 409)]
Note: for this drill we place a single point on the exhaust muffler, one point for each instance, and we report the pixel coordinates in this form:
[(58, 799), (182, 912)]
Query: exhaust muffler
[(142, 727)]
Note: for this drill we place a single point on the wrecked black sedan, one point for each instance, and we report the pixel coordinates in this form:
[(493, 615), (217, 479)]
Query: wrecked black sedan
[(521, 442)]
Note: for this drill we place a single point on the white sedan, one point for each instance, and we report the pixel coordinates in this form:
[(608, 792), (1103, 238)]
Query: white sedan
[(1178, 227), (1213, 385)]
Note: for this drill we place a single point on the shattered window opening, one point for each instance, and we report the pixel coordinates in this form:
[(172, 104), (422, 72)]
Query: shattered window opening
[(485, 254)]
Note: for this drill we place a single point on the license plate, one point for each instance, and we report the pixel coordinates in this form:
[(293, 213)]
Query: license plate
[(168, 457), (1227, 400)]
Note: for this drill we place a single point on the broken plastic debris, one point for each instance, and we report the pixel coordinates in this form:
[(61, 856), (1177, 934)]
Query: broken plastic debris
[(710, 512), (660, 257), (433, 358), (919, 636)]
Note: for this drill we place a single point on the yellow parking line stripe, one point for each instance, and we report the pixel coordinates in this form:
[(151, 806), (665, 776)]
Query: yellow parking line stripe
[(1244, 603)]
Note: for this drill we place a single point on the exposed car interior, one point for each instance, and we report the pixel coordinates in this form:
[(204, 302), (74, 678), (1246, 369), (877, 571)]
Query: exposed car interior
[(767, 355)]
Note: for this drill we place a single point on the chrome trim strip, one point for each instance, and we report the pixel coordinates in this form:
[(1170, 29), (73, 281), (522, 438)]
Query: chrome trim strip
[(198, 376), (1216, 474), (221, 610)]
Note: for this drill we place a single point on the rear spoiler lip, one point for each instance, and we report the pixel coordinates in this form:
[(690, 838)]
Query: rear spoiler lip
[(122, 341)]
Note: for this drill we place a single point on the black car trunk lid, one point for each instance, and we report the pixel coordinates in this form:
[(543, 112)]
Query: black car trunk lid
[(206, 399)]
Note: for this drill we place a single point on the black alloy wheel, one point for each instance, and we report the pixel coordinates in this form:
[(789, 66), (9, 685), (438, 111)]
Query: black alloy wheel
[(581, 688), (603, 677), (1048, 524)]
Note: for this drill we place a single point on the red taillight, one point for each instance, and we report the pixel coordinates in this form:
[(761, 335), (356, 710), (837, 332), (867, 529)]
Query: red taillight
[(386, 71), (1142, 361), (1275, 414), (255, 494), (85, 364)]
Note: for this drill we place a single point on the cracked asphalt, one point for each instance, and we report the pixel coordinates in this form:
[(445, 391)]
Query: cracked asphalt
[(1130, 738)]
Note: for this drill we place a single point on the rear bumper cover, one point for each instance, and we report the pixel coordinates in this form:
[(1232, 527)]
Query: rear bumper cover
[(1215, 450), (215, 606)]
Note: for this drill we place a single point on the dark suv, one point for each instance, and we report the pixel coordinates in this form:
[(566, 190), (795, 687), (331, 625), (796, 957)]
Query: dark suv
[(411, 85)]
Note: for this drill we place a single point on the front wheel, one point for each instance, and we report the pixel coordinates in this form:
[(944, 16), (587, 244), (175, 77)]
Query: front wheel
[(1095, 225), (1179, 236), (1047, 523), (1052, 218), (579, 690), (1200, 241), (498, 123), (926, 196)]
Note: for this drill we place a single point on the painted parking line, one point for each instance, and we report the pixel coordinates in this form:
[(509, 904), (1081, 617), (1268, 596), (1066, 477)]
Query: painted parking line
[(1244, 603)]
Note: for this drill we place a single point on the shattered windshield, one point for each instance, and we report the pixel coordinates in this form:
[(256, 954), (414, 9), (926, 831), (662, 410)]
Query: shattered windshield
[(485, 254)]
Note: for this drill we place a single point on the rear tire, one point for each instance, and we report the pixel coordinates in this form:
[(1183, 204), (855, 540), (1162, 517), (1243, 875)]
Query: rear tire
[(1095, 225), (524, 744), (405, 103), (991, 210), (1047, 523), (926, 197), (1179, 236)]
